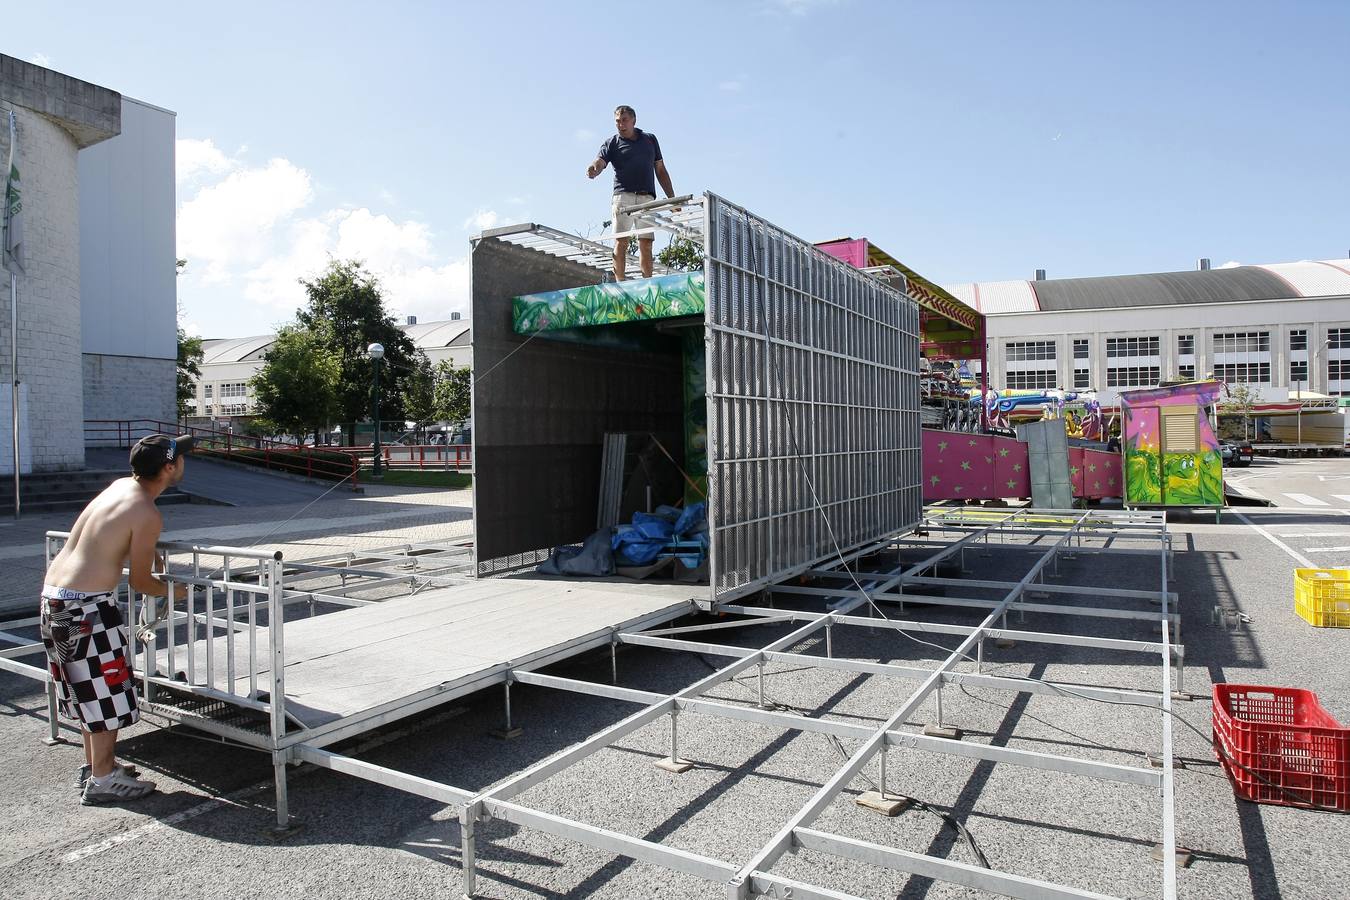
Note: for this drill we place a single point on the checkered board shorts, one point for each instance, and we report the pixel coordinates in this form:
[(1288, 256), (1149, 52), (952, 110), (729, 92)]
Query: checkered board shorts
[(87, 655)]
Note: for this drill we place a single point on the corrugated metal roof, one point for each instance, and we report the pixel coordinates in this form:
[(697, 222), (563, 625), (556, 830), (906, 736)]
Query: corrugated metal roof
[(1272, 281), (235, 349), (998, 297), (436, 334), (1314, 279), (1162, 289)]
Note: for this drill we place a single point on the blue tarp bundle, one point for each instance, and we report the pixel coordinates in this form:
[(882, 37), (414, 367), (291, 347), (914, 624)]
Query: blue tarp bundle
[(637, 544), (640, 543)]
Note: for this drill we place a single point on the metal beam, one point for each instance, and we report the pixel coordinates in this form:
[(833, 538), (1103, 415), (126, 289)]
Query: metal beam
[(942, 869), (411, 784), (782, 841), (561, 760), (699, 866)]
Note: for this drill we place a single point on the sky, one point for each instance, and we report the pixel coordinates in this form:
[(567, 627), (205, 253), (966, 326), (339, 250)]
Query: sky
[(974, 141)]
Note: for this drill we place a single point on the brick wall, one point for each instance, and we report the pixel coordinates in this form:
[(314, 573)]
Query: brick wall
[(49, 292), (130, 387)]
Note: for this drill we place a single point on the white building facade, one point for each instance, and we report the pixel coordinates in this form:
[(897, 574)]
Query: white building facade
[(128, 249), (1282, 328)]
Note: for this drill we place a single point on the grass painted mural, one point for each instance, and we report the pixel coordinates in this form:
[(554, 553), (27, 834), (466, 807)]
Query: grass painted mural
[(695, 415), (1158, 473), (612, 303)]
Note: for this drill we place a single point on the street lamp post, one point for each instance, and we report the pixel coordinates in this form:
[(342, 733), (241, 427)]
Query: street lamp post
[(376, 354)]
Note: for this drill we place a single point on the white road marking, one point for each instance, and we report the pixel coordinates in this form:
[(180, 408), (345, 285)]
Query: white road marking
[(1326, 549), (1307, 500), (1299, 557), (1296, 534), (133, 834)]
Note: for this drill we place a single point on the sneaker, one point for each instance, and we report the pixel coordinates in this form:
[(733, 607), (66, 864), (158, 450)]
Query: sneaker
[(84, 772), (117, 788)]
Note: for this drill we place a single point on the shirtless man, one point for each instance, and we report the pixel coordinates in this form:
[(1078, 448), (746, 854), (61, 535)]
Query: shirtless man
[(81, 625)]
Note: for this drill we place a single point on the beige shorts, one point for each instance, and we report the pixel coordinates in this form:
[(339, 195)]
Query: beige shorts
[(625, 222)]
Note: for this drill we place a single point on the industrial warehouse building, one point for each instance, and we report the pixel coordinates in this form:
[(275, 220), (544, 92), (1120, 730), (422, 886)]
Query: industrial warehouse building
[(1282, 328)]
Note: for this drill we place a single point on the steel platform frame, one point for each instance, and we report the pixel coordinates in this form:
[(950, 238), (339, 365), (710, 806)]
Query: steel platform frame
[(1048, 535)]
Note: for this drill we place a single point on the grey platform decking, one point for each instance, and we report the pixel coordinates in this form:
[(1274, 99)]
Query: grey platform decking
[(345, 663)]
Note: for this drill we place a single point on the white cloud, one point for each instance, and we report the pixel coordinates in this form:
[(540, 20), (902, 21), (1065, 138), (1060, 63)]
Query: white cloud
[(234, 222), (40, 59), (195, 158), (1231, 264), (733, 87), (481, 220), (252, 235)]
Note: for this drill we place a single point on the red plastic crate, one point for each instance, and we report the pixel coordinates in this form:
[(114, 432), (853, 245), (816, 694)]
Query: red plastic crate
[(1287, 738)]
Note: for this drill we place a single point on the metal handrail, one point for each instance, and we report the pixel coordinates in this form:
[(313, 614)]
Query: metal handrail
[(280, 455), (211, 615)]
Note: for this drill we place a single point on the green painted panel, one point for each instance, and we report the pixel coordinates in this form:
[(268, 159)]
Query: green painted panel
[(663, 297), (695, 415)]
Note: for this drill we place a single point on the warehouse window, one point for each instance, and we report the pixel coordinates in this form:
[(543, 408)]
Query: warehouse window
[(1247, 373), (1242, 342), (1080, 348), (1298, 371), (1036, 379), (1081, 378), (1132, 376), (1024, 350), (208, 391), (1338, 370), (1298, 339), (1185, 345), (1186, 373), (1133, 346), (1338, 338), (234, 389)]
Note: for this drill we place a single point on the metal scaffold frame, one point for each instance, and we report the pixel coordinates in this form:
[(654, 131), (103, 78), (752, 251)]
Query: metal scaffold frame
[(1049, 535), (679, 217)]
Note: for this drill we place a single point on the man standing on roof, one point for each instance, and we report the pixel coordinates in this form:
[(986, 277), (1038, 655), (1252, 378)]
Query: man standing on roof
[(635, 155), (82, 629)]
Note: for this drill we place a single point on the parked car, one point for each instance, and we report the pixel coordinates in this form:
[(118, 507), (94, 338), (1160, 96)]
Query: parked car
[(1236, 453)]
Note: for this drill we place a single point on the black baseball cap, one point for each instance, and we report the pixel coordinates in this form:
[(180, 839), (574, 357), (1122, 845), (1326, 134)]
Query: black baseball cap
[(153, 453)]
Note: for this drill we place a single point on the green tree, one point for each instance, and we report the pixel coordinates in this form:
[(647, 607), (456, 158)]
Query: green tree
[(346, 314), (297, 387), (1237, 408), (190, 357), (452, 392), (419, 391), (682, 255)]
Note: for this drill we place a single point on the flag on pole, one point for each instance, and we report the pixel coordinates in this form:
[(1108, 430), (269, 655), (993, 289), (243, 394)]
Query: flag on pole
[(13, 208)]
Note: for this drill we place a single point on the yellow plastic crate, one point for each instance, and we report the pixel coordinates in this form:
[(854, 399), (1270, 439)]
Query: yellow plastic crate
[(1322, 597)]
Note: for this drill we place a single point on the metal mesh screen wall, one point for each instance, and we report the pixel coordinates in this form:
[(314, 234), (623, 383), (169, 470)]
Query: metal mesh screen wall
[(813, 404)]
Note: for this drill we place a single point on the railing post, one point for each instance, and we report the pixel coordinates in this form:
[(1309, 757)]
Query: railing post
[(276, 700)]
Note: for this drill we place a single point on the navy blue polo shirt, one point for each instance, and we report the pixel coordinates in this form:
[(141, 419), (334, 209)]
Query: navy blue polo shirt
[(634, 161)]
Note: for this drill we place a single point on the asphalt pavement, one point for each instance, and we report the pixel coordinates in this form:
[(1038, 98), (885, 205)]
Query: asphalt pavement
[(207, 833)]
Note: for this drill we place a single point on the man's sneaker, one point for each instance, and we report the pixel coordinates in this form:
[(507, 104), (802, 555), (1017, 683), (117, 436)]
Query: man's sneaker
[(118, 787), (83, 775)]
